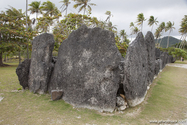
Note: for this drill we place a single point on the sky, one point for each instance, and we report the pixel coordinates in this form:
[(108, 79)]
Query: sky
[(124, 11)]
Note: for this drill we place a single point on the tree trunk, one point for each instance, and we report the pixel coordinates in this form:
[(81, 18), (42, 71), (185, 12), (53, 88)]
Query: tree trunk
[(168, 41), (1, 59), (5, 58), (19, 57), (152, 28)]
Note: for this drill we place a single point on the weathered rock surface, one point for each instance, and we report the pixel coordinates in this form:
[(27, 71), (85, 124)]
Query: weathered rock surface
[(158, 62), (87, 69), (150, 44), (56, 94), (135, 71), (164, 58), (22, 72), (41, 63), (157, 53), (121, 104)]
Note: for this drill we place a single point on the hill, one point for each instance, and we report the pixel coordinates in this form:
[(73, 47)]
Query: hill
[(172, 41)]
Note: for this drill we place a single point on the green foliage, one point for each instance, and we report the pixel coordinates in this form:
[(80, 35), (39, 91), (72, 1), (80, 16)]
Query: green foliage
[(176, 52), (122, 45), (13, 35), (19, 89), (84, 4)]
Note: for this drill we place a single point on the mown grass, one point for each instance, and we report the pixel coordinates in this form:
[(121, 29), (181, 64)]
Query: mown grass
[(181, 62), (166, 100)]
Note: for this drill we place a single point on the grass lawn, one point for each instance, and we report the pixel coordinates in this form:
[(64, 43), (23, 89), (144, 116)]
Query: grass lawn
[(166, 100), (181, 62)]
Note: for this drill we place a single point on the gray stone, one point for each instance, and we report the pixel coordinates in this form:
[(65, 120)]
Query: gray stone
[(174, 59), (157, 53), (41, 63), (87, 69), (120, 101), (22, 72), (171, 59), (164, 57), (158, 62), (56, 94), (150, 44), (135, 71)]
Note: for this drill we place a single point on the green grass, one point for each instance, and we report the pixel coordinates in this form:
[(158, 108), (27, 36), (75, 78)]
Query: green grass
[(181, 62), (165, 100)]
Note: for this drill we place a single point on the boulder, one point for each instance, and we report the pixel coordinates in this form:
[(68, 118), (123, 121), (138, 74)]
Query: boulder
[(121, 104), (41, 63), (135, 71), (157, 53), (150, 44), (56, 94), (87, 69), (22, 72), (174, 59), (158, 62), (164, 57)]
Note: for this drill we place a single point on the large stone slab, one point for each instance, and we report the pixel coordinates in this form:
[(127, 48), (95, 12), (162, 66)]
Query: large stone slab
[(22, 72), (150, 44), (164, 57), (157, 53), (41, 63), (158, 64), (87, 69), (135, 71)]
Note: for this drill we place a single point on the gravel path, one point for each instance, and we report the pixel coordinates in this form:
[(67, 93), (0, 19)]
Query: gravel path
[(178, 65)]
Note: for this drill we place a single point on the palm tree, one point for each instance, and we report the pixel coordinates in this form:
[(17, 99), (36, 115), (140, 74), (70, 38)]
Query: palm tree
[(140, 19), (157, 34), (65, 5), (84, 4), (162, 29), (170, 27), (109, 15), (132, 28), (135, 30), (183, 31), (49, 8), (15, 13), (123, 34), (35, 8), (152, 21), (111, 27)]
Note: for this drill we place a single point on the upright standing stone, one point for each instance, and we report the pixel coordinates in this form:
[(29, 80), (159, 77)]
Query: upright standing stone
[(41, 63), (135, 71), (157, 53), (23, 73), (150, 44), (87, 69)]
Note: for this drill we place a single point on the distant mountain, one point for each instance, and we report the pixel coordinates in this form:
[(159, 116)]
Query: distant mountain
[(172, 41)]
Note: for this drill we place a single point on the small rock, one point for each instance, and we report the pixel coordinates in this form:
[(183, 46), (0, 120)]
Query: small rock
[(122, 108), (1, 98), (56, 94), (121, 104), (120, 101), (78, 117)]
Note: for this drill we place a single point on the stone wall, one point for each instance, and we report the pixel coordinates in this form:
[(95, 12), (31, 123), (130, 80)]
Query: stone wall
[(90, 72)]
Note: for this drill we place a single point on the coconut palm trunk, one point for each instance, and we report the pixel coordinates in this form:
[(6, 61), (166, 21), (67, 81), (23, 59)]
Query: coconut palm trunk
[(168, 40)]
